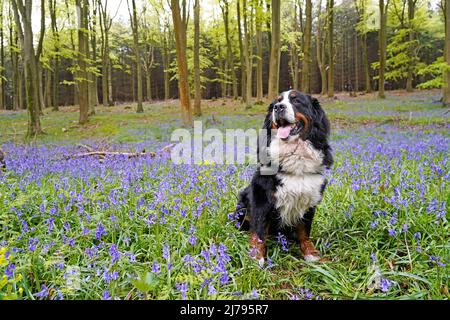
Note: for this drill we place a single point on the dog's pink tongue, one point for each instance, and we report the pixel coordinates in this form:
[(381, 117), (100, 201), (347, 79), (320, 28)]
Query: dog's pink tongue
[(283, 132)]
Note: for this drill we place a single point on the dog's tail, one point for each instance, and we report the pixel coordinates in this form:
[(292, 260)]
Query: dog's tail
[(240, 215)]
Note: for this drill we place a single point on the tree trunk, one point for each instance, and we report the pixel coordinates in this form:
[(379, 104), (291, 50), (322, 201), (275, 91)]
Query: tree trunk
[(48, 87), (446, 89), (320, 50), (135, 28), (230, 60), (110, 85), (274, 62), (365, 63), (330, 16), (294, 57), (83, 48), (356, 89), (307, 49), (382, 47), (22, 14), (241, 52), (93, 84), (197, 87), (148, 84), (2, 60), (166, 62), (409, 76), (248, 52), (259, 52), (180, 42)]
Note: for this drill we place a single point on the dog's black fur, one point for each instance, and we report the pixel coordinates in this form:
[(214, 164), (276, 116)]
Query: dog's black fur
[(256, 203)]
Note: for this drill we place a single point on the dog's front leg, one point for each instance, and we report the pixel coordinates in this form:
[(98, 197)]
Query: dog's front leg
[(261, 208), (258, 245), (310, 253)]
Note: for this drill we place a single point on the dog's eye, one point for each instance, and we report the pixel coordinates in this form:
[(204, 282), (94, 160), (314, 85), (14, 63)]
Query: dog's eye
[(279, 98)]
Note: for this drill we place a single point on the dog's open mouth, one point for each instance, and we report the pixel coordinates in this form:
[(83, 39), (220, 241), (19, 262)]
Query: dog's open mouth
[(286, 129)]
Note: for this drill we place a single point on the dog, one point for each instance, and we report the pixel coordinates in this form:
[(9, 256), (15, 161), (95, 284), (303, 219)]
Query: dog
[(285, 201)]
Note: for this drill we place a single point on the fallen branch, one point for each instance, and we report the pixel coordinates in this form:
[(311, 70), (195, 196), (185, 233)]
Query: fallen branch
[(111, 153), (103, 154)]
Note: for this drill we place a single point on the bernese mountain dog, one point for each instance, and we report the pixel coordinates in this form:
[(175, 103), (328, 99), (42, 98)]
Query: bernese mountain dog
[(285, 201)]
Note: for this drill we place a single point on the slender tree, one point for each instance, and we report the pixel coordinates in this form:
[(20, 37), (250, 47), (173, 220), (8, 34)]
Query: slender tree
[(320, 49), (446, 89), (411, 37), (135, 29), (382, 46), (241, 52), (93, 90), (56, 44), (306, 64), (330, 51), (225, 7), (197, 87), (274, 62), (2, 59), (83, 49), (248, 51), (362, 12), (22, 14), (259, 51), (180, 43), (14, 56)]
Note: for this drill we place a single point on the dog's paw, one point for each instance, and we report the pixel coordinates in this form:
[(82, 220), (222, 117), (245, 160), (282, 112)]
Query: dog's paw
[(311, 258)]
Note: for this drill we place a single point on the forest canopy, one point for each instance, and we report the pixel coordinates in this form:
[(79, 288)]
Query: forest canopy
[(91, 52)]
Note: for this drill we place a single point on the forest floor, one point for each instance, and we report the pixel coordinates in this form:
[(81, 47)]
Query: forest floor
[(89, 228)]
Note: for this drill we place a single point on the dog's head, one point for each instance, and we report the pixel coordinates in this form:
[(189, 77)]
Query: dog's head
[(294, 114)]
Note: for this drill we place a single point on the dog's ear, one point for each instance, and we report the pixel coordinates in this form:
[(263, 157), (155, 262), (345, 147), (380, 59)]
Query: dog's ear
[(321, 119), (268, 120), (266, 132), (320, 130)]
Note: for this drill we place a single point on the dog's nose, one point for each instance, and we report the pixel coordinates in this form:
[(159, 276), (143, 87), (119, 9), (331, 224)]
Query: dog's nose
[(279, 107)]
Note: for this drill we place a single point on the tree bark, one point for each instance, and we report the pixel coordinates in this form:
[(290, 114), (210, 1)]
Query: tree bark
[(365, 63), (197, 87), (411, 36), (356, 89), (230, 60), (307, 49), (93, 55), (83, 48), (446, 89), (180, 44), (241, 52), (259, 53), (330, 16), (16, 74), (274, 62), (22, 14), (320, 50), (2, 60), (55, 33), (248, 52), (135, 28), (382, 47)]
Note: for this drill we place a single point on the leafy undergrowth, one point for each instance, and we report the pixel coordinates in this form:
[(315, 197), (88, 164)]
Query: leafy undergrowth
[(144, 228)]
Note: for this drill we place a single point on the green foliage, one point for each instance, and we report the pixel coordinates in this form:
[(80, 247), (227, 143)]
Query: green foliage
[(436, 71)]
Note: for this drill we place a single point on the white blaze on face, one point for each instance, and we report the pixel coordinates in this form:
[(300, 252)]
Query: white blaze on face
[(289, 114)]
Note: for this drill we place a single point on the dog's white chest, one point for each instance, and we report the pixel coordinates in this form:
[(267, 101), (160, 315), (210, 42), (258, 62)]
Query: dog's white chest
[(296, 194)]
